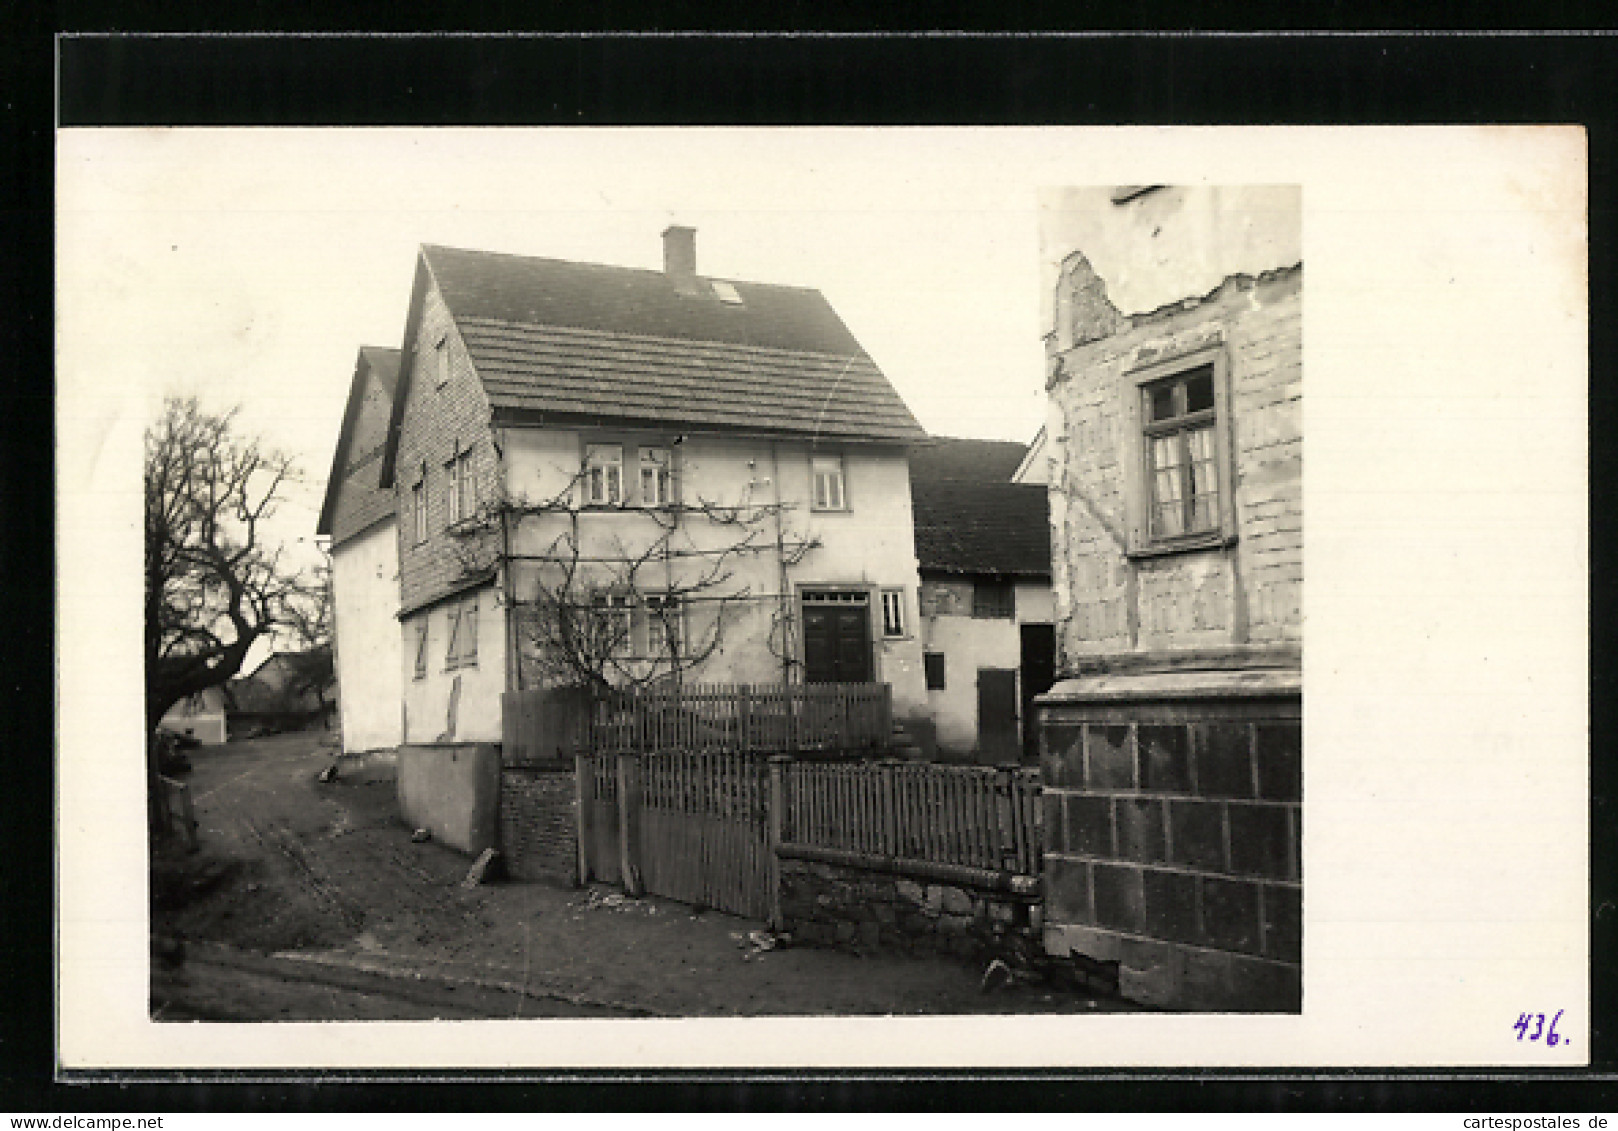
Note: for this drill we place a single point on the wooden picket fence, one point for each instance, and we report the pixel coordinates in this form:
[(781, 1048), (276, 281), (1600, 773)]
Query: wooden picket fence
[(968, 816), (709, 828), (710, 717)]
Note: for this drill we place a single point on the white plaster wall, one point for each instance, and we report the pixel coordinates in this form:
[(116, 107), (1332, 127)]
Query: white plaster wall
[(1035, 604), (870, 545), (426, 700), (1170, 243), (365, 599), (968, 643)]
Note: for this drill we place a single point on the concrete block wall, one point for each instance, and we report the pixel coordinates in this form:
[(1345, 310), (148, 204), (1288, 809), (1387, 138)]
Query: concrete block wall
[(453, 791), (1173, 846), (539, 824)]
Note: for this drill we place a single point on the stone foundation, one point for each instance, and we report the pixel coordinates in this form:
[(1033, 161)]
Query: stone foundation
[(1173, 827)]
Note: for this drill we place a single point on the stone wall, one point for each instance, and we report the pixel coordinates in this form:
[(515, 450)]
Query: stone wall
[(838, 905), (539, 824), (1173, 834)]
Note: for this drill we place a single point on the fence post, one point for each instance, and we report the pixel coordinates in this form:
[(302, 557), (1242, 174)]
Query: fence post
[(629, 822), (584, 813), (890, 809), (777, 827)]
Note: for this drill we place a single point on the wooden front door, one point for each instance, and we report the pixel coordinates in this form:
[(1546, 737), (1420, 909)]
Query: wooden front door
[(836, 638), (997, 715)]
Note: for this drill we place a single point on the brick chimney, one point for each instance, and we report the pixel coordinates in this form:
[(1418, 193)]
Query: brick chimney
[(680, 253)]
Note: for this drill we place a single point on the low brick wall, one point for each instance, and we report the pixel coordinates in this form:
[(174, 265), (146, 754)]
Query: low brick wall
[(1172, 841), (539, 830), (837, 905)]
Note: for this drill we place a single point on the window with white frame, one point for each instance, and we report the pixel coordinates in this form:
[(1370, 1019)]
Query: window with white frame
[(441, 360), (461, 494), (612, 624), (893, 612), (656, 477), (1180, 494), (421, 647), (662, 617), (604, 475), (418, 507), (829, 493)]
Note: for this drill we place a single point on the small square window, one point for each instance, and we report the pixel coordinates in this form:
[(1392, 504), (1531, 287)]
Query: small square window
[(893, 612), (994, 599), (933, 665), (827, 473)]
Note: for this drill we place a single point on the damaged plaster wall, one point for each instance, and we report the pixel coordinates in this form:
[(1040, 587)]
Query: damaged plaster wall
[(1111, 598)]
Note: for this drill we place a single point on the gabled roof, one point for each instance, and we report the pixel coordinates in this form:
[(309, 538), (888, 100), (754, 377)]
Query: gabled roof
[(980, 461), (356, 500), (552, 338), (969, 518)]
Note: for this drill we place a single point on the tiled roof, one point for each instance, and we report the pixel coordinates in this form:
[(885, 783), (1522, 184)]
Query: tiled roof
[(969, 518), (982, 461), (355, 498), (558, 337)]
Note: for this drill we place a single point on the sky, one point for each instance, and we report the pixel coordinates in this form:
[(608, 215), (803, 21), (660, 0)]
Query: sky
[(248, 266)]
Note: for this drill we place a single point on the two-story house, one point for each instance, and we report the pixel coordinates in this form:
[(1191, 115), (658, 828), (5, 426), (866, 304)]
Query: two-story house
[(1171, 743), (608, 474), (984, 551), (358, 516)]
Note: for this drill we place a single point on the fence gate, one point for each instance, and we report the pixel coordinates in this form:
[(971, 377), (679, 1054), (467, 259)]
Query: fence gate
[(599, 850), (689, 826)]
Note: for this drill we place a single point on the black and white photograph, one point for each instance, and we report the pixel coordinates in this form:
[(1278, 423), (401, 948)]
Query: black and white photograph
[(842, 591)]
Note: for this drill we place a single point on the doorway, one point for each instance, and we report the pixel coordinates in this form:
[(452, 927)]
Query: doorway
[(1038, 674), (836, 637)]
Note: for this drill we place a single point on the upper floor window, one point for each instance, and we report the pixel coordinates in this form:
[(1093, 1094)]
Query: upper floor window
[(441, 361), (1181, 495), (462, 492), (604, 475), (829, 494), (418, 507), (656, 477), (994, 599), (893, 612)]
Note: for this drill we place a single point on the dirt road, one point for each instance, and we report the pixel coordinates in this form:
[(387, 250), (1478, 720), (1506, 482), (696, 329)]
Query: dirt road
[(309, 900)]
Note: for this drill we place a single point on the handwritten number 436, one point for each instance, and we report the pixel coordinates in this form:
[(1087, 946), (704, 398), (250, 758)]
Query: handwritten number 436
[(1536, 1022)]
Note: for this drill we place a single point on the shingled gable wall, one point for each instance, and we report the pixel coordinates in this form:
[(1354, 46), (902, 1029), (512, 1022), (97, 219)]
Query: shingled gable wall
[(437, 422), (1171, 747)]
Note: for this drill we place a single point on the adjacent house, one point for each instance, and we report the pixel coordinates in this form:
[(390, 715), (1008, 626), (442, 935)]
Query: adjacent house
[(288, 691), (359, 518), (200, 716), (984, 553), (600, 475), (1171, 742)]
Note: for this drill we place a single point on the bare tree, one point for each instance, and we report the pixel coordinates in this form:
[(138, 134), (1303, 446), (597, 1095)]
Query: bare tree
[(639, 609), (213, 586)]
